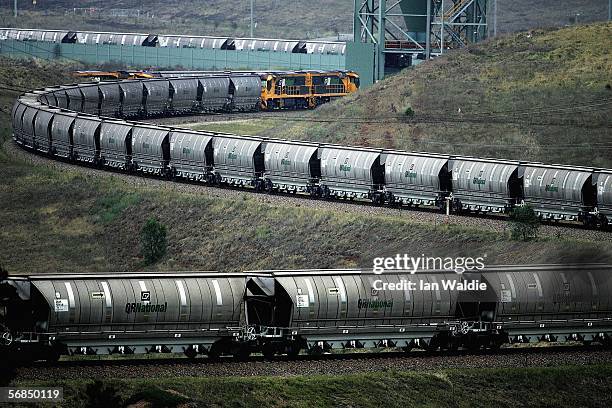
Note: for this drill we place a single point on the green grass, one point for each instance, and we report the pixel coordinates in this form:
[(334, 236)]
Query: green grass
[(110, 206), (241, 127), (565, 386)]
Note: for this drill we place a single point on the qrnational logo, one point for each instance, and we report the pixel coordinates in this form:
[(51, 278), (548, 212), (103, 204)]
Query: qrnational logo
[(145, 308), (374, 304)]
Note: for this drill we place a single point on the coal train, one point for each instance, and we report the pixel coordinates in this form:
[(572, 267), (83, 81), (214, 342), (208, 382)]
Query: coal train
[(286, 312), (174, 41), (192, 93), (278, 89), (72, 122)]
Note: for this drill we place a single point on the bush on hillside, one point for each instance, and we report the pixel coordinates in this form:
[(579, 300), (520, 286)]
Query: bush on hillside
[(153, 241), (525, 223)]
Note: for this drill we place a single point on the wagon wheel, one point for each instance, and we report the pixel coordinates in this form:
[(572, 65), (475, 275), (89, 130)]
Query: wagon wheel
[(191, 353), (268, 351), (293, 350), (312, 102)]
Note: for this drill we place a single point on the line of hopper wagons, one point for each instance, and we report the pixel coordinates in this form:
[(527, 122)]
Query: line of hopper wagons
[(455, 184), (285, 312), (169, 93), (174, 41)]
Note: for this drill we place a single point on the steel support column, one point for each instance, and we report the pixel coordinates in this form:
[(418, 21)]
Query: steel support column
[(380, 50), (406, 31)]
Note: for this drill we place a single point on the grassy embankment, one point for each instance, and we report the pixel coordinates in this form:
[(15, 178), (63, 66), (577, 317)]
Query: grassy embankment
[(551, 75), (588, 386)]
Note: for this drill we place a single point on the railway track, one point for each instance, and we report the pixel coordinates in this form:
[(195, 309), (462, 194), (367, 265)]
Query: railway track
[(329, 364)]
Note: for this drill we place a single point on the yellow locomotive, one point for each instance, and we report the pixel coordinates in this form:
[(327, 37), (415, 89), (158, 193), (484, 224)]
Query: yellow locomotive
[(305, 89)]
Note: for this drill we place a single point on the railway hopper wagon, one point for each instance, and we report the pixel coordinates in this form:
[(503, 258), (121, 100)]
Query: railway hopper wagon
[(191, 155), (560, 192), (245, 91), (415, 179), (150, 149), (45, 316), (17, 121), (91, 98), (603, 181), (86, 139), (61, 98), (62, 131), (132, 98), (318, 310), (156, 97), (74, 97), (54, 36), (351, 172), (46, 97), (238, 160), (292, 167), (110, 99), (42, 141), (214, 93), (25, 118), (553, 302), (184, 95), (484, 185), (116, 144)]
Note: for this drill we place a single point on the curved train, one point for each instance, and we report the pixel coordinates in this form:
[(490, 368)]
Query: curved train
[(285, 312), (279, 89), (80, 123)]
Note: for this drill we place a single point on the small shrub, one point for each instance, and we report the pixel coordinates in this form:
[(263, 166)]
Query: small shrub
[(409, 111), (102, 395), (525, 223), (153, 241), (157, 397)]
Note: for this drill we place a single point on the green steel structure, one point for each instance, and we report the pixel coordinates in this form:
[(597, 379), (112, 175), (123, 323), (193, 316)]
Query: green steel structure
[(404, 31), (358, 57)]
